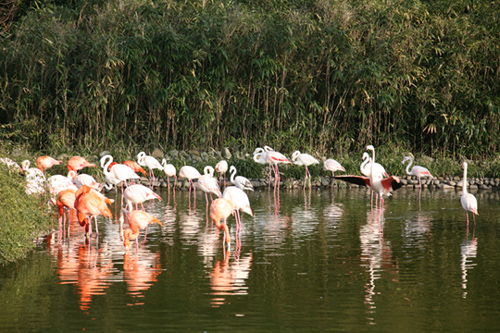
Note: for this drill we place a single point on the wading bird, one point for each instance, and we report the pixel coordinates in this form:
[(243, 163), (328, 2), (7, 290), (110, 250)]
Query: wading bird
[(468, 200)]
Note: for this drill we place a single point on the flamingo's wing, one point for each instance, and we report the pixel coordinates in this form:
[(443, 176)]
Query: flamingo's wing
[(353, 179)]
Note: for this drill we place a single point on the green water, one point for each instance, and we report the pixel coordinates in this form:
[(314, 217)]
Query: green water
[(317, 262)]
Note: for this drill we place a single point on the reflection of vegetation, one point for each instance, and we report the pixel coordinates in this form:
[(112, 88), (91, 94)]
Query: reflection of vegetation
[(23, 217), (27, 304), (333, 75)]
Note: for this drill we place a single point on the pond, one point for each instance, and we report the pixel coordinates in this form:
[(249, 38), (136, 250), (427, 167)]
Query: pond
[(317, 260)]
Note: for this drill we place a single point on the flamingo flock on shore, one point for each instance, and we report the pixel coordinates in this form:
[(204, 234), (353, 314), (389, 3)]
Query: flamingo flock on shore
[(81, 192)]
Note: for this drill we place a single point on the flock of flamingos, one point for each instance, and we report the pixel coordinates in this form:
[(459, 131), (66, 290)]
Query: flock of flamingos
[(81, 192)]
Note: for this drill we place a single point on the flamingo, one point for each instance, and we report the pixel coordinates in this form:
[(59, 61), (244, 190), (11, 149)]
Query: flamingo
[(332, 165), (417, 170), (11, 164), (65, 200), (221, 168), (90, 204), (84, 179), (118, 172), (366, 167), (468, 200), (137, 194), (137, 220), (77, 163), (240, 202), (151, 163), (58, 183), (378, 184), (304, 159), (189, 173), (170, 171), (208, 183), (136, 167), (46, 162), (273, 158), (221, 209), (34, 177), (240, 181)]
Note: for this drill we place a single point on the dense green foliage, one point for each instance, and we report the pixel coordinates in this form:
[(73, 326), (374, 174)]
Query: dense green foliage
[(24, 217), (332, 75)]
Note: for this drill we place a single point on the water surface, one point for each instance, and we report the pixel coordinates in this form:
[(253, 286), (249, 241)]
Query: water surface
[(317, 261)]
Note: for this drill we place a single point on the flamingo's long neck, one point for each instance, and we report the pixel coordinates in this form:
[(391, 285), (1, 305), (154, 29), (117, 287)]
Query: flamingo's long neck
[(464, 187), (106, 166), (365, 162), (408, 166), (233, 174), (373, 163)]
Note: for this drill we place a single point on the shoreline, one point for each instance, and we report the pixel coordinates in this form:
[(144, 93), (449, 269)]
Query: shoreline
[(438, 183)]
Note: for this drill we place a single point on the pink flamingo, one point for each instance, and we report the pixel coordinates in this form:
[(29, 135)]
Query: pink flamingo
[(221, 209), (468, 200), (77, 163), (46, 162), (417, 170)]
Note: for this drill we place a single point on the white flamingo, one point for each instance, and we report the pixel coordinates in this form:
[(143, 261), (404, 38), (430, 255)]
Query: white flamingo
[(468, 200), (151, 163), (306, 160), (240, 181)]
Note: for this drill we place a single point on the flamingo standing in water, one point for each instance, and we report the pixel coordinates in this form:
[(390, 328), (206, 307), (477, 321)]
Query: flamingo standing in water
[(273, 158), (88, 204), (367, 166), (46, 162), (65, 201), (189, 173), (118, 172), (208, 183), (468, 200), (332, 165), (221, 168), (417, 170), (137, 220), (77, 163), (138, 194), (304, 159), (150, 162), (240, 202), (378, 184), (240, 181), (170, 171), (221, 209)]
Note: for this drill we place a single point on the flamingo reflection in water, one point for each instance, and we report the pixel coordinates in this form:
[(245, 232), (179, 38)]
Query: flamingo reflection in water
[(140, 271), (376, 251), (229, 278), (468, 250), (88, 268)]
